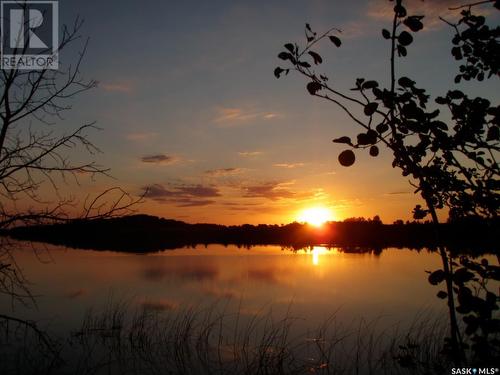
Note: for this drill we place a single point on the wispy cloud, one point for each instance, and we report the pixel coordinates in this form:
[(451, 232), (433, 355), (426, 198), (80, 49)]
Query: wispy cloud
[(269, 190), (223, 172), (431, 9), (249, 154), (159, 159), (288, 165), (398, 193), (121, 87), (182, 195), (235, 116)]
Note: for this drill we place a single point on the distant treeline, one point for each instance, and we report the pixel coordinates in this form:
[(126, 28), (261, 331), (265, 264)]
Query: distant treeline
[(143, 233)]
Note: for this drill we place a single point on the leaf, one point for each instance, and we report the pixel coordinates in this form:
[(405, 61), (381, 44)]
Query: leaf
[(455, 94), (347, 158), (304, 64), (402, 50), (405, 38), (372, 136), (441, 100), (335, 40), (313, 87), (386, 34), (493, 134), (278, 71), (436, 277), (369, 85), (308, 27), (290, 47), (406, 82), (346, 140), (374, 151), (442, 294), (316, 57), (400, 11), (362, 139), (382, 128), (414, 23), (457, 53), (370, 108), (285, 56)]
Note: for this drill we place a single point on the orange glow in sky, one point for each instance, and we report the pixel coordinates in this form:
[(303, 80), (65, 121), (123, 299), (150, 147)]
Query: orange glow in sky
[(316, 216)]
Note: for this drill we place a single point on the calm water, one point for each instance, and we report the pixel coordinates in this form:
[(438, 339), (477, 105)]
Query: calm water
[(312, 284)]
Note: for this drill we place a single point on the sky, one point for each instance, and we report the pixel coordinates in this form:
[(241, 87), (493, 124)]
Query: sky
[(189, 108)]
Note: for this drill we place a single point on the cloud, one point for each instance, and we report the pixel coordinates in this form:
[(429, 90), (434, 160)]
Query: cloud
[(186, 191), (288, 165), (122, 87), (188, 202), (269, 190), (159, 159), (182, 195), (398, 193), (140, 136), (235, 116), (250, 154), (223, 172), (431, 9)]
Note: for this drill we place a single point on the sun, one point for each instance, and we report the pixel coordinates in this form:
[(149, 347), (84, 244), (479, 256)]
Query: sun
[(316, 216)]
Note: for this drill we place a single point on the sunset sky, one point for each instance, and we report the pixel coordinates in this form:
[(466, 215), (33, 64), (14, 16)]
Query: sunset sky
[(189, 106)]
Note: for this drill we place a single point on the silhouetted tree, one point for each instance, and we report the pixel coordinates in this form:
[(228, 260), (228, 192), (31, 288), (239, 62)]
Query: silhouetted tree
[(451, 164), (36, 156)]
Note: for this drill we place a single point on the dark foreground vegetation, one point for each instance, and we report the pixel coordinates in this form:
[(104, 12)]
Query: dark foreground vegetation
[(209, 340), (143, 233)]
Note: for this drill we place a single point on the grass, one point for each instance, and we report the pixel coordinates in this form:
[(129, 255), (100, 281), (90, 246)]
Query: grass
[(210, 340)]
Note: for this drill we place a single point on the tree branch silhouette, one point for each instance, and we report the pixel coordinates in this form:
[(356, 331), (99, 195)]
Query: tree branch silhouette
[(35, 154), (452, 167)]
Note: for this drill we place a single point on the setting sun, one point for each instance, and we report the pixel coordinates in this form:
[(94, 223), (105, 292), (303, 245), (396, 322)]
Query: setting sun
[(316, 216)]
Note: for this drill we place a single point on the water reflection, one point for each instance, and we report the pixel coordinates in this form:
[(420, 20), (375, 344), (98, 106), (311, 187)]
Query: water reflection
[(317, 251), (314, 281)]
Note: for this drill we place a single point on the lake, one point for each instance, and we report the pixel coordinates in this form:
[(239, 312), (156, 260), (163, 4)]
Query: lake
[(387, 291), (312, 283)]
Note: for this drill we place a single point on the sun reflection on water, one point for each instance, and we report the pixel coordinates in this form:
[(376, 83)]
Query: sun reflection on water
[(316, 252)]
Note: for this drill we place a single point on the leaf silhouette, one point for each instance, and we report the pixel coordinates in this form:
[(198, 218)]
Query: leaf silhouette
[(313, 87), (346, 140), (370, 108), (335, 40), (278, 71), (316, 57), (347, 158), (414, 23), (405, 38)]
